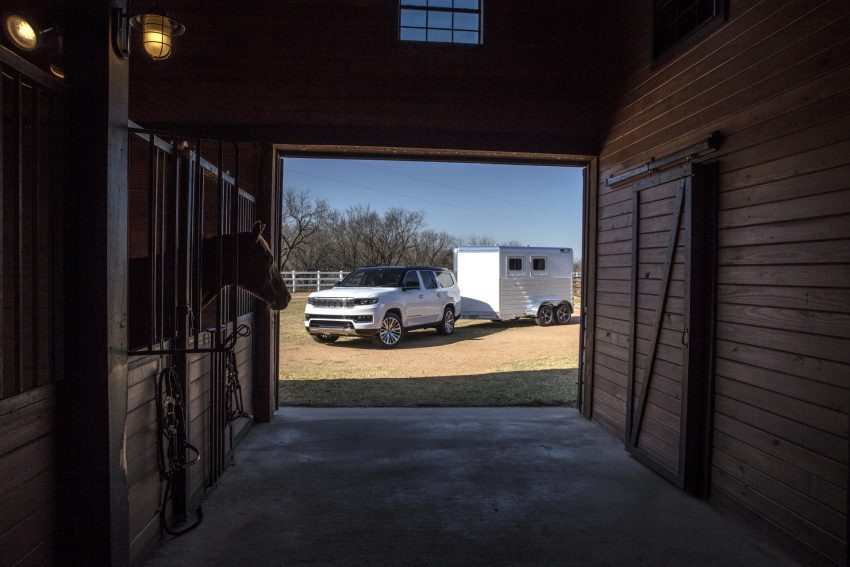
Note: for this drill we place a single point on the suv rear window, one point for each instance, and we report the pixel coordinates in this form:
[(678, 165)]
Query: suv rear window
[(429, 279), (446, 279)]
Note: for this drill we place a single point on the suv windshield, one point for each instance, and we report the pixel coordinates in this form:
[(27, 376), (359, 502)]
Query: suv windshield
[(373, 277)]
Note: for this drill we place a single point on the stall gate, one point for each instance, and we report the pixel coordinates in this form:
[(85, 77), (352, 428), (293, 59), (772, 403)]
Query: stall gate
[(180, 204), (31, 313)]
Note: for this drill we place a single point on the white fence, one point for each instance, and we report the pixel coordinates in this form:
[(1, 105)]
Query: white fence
[(314, 281), (311, 281)]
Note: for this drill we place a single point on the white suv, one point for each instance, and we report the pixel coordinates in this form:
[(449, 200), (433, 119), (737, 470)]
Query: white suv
[(384, 302)]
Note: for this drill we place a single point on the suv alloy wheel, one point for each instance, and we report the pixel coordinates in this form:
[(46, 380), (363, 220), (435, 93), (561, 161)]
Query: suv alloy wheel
[(447, 325), (391, 331)]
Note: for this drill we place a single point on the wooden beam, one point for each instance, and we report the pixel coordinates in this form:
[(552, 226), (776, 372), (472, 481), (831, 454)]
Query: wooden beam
[(94, 488), (588, 288), (265, 320)]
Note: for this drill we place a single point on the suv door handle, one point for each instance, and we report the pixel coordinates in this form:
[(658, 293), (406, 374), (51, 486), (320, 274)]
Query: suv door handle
[(421, 297)]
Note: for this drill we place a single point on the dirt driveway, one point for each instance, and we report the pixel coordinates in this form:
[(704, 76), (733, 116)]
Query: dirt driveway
[(483, 363)]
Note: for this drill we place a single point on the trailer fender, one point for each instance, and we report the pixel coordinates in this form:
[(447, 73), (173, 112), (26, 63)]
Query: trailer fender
[(534, 306)]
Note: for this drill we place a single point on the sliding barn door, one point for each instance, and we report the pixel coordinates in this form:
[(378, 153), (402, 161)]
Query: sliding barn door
[(667, 408)]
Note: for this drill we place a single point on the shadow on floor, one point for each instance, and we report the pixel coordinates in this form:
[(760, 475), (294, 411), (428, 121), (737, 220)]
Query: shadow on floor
[(555, 387), (451, 487)]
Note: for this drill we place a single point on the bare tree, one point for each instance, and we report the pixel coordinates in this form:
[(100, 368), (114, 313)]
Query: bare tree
[(394, 235), (432, 248), (478, 240), (302, 218)]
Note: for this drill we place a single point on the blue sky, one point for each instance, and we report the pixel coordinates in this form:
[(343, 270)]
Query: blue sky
[(535, 205)]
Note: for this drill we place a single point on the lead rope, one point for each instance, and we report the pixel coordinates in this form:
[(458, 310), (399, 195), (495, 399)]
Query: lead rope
[(233, 408), (170, 416)]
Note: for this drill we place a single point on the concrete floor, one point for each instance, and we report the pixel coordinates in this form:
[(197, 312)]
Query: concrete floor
[(444, 487)]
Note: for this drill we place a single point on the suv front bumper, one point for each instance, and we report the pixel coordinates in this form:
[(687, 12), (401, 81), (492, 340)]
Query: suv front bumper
[(341, 325)]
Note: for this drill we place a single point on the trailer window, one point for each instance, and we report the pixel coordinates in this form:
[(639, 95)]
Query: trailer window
[(538, 264), (514, 264)]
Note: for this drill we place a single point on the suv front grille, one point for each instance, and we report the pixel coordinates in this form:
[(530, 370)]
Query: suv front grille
[(333, 302)]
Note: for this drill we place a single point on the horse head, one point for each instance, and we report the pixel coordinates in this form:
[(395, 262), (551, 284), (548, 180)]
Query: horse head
[(257, 272)]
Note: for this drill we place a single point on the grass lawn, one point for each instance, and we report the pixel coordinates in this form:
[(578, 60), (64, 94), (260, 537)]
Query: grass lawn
[(510, 363)]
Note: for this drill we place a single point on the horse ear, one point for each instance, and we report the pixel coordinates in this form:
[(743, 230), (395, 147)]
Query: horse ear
[(258, 229)]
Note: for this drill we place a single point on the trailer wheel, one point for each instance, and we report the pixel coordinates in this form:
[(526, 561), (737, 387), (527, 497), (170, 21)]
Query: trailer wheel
[(326, 339), (447, 325), (391, 331), (545, 316), (563, 314)]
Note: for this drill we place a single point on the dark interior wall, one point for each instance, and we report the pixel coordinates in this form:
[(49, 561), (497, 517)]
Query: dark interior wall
[(774, 82), (334, 72)]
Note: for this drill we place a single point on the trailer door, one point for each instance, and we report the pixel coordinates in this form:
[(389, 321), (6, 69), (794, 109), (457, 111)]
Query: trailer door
[(671, 320)]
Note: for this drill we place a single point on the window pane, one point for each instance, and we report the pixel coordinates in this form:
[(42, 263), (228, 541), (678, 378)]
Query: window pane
[(414, 2), (440, 35), (538, 264), (466, 4), (515, 264), (411, 280), (413, 34), (413, 18), (429, 279), (446, 279), (466, 21), (440, 3), (439, 19), (466, 37)]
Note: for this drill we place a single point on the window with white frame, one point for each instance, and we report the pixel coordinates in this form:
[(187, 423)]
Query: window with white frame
[(538, 264), (440, 21)]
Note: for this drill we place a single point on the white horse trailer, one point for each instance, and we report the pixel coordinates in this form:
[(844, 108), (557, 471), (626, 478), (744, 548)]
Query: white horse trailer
[(507, 282)]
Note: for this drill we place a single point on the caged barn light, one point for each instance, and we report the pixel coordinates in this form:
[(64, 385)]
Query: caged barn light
[(158, 31)]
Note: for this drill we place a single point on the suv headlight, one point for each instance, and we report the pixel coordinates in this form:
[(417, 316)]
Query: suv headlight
[(365, 301)]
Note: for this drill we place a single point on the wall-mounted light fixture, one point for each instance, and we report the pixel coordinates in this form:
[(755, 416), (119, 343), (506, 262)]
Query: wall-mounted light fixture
[(26, 35), (22, 33), (158, 31)]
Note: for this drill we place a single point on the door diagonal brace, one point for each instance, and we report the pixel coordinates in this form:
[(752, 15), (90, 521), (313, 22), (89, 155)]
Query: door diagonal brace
[(659, 312)]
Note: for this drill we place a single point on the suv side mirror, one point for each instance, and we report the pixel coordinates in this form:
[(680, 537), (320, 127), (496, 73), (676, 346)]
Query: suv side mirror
[(408, 287)]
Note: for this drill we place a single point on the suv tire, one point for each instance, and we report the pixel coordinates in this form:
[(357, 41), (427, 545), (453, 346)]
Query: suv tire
[(545, 316), (447, 325), (325, 339), (391, 331)]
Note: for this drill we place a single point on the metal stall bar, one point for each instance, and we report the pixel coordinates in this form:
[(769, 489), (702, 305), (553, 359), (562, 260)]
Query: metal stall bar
[(233, 299), (3, 391), (19, 237), (197, 180), (34, 240), (152, 198)]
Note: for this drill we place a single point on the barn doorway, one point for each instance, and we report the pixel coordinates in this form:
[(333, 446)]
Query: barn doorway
[(532, 210)]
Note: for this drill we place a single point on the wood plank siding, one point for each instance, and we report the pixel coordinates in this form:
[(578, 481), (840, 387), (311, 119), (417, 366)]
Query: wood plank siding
[(774, 81)]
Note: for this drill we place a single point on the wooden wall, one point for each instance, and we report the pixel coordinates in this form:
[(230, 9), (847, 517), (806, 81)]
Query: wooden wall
[(29, 478), (334, 72), (775, 82)]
